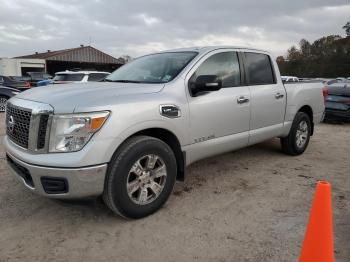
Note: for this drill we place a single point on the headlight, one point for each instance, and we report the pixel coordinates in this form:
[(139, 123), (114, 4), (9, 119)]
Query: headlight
[(71, 132), (15, 92)]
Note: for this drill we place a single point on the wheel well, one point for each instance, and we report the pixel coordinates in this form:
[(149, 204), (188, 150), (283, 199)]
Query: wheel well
[(171, 140), (308, 110)]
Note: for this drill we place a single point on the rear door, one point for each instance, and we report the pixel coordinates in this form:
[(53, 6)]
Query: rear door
[(268, 97)]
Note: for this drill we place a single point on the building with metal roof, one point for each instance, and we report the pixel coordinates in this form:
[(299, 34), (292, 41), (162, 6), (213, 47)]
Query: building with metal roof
[(83, 58)]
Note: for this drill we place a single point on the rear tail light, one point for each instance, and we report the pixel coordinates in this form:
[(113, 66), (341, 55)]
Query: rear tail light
[(325, 94), (27, 84)]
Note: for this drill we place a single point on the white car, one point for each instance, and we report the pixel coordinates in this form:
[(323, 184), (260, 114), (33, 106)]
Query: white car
[(67, 76), (290, 79)]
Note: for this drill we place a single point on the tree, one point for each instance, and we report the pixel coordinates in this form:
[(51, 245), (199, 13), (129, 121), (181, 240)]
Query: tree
[(280, 59), (126, 58), (293, 53), (305, 48), (328, 56), (347, 28)]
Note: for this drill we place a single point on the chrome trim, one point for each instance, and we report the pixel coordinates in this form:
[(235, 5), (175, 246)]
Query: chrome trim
[(212, 84), (38, 109), (242, 100), (279, 95)]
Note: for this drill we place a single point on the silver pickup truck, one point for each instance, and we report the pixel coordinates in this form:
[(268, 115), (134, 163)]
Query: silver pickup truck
[(131, 137)]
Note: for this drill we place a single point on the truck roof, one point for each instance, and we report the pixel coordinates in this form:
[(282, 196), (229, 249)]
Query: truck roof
[(205, 49), (80, 72)]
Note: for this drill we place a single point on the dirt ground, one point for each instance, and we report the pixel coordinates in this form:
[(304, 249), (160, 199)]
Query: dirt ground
[(248, 205)]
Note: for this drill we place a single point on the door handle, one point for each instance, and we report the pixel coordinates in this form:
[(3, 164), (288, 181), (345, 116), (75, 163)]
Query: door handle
[(242, 100), (279, 95)]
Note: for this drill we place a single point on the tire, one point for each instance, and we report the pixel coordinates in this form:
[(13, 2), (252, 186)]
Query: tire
[(3, 101), (131, 169), (299, 135)]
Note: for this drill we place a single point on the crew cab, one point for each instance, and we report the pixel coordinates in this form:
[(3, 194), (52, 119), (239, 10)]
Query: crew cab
[(131, 137)]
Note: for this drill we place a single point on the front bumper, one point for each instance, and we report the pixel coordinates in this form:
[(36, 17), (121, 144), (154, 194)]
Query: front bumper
[(81, 182)]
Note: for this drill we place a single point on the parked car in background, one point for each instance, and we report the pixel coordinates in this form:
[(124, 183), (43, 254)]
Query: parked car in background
[(338, 102), (44, 82), (290, 79), (341, 79), (5, 94), (35, 77), (66, 77), (330, 81), (13, 82), (156, 115)]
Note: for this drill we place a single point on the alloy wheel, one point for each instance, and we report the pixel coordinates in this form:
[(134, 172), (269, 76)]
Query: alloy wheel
[(302, 134), (146, 179)]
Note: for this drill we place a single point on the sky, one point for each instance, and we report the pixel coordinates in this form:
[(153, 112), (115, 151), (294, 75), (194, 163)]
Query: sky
[(138, 27)]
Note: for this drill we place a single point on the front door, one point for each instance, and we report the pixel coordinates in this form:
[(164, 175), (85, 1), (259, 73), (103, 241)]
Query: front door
[(224, 113)]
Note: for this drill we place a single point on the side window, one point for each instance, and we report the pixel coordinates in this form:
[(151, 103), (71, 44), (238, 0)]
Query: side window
[(259, 69), (94, 77), (224, 65), (74, 77)]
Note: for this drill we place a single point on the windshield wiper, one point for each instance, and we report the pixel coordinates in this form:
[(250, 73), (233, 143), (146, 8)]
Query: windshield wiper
[(122, 81)]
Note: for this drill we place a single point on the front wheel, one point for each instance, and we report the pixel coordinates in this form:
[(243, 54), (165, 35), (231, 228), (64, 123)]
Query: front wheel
[(140, 177), (299, 135)]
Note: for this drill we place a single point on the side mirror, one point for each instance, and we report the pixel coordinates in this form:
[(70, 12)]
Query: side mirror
[(206, 83)]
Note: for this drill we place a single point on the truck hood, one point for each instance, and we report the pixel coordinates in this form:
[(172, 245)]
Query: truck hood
[(65, 98)]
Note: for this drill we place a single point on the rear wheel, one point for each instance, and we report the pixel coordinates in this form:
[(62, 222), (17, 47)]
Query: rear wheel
[(3, 102), (140, 177), (299, 135)]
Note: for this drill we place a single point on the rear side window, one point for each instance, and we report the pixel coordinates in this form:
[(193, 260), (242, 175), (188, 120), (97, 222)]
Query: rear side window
[(224, 65), (95, 77), (259, 69)]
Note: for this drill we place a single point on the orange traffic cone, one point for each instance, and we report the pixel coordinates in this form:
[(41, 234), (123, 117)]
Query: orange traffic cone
[(318, 239)]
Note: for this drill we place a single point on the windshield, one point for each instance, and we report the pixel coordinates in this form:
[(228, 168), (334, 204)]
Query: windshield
[(156, 68), (68, 77)]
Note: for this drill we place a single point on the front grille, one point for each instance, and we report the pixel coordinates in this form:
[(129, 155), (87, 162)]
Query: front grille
[(42, 131), (18, 124)]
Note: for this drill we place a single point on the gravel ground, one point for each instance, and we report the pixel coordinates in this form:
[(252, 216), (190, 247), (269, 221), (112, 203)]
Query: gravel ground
[(248, 205)]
